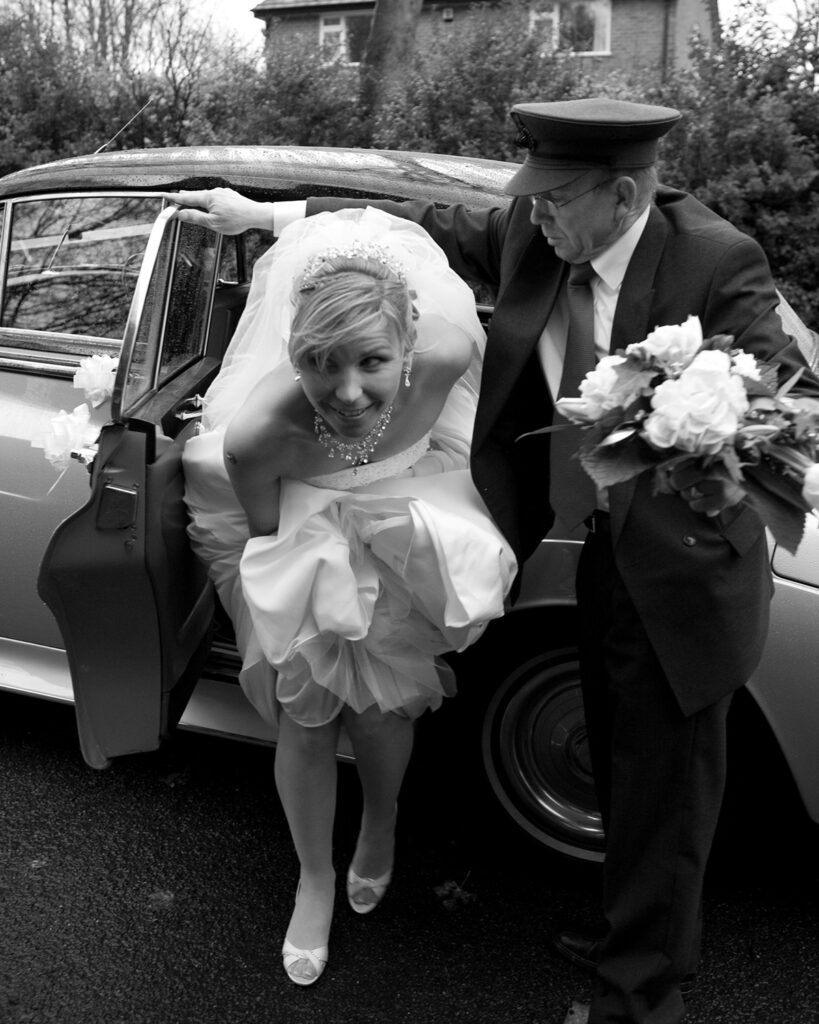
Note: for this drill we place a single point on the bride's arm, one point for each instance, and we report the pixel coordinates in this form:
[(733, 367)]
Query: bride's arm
[(250, 453), (444, 346), (257, 489)]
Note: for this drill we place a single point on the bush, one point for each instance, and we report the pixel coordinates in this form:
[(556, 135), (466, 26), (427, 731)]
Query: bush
[(748, 149), (300, 100), (747, 146), (463, 86)]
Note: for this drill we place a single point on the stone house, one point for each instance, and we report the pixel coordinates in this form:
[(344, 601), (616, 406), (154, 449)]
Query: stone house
[(607, 35)]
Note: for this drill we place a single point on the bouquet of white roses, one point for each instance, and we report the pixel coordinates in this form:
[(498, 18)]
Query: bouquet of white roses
[(677, 396)]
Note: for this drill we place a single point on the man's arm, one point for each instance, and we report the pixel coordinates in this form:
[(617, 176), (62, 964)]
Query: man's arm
[(743, 301), (471, 239), (230, 213)]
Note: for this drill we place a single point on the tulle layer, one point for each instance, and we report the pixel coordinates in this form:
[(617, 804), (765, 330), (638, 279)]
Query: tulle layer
[(359, 594)]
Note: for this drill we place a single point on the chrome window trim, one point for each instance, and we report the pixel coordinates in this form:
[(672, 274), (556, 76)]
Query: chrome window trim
[(5, 242), (119, 410), (43, 367)]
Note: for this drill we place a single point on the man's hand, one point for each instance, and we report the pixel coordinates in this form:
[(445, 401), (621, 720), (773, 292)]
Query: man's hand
[(708, 490), (221, 209)]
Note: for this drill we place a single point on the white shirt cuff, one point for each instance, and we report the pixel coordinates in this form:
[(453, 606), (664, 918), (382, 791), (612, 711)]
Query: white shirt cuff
[(287, 211)]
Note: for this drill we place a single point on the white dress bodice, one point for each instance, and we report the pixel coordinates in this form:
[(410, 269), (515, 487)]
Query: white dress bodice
[(349, 477)]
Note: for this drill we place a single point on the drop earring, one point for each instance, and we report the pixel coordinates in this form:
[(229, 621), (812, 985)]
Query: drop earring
[(407, 381), (297, 375)]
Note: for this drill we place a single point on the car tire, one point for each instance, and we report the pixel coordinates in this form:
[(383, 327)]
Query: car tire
[(535, 754)]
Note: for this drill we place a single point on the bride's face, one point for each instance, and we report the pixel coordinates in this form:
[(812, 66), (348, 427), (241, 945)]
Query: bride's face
[(359, 380)]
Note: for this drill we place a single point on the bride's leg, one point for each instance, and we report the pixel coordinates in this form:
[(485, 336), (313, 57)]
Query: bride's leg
[(382, 745), (306, 781)]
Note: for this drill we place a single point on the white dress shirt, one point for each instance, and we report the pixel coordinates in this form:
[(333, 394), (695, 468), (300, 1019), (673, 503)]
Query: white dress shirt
[(285, 211), (610, 268)]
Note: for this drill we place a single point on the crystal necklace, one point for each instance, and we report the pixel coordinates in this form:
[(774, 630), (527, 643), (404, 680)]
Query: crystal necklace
[(355, 452)]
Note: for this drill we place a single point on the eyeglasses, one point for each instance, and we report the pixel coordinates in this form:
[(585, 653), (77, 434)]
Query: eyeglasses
[(546, 197)]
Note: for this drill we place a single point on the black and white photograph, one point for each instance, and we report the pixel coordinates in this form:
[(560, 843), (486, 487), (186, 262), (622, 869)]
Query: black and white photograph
[(409, 487)]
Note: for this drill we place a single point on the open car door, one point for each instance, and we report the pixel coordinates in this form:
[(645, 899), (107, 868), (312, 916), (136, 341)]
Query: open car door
[(133, 603)]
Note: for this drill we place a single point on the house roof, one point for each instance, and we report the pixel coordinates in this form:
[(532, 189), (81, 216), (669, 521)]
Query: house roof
[(277, 6), (268, 7)]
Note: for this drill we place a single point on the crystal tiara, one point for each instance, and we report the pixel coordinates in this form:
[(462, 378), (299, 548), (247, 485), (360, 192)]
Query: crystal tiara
[(360, 250)]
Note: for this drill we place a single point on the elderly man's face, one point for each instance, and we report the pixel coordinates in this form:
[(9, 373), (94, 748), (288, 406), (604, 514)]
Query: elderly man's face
[(582, 218)]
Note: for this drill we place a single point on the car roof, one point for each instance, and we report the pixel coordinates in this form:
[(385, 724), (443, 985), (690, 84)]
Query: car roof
[(273, 172)]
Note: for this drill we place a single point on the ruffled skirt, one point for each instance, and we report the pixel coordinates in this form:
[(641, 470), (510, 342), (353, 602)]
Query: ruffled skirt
[(359, 594)]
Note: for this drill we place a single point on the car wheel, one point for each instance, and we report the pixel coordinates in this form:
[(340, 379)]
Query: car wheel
[(536, 756)]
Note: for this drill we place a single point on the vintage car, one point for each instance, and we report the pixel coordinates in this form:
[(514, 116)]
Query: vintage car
[(103, 603)]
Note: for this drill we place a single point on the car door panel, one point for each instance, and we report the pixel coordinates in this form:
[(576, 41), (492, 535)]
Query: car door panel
[(35, 496), (133, 603)]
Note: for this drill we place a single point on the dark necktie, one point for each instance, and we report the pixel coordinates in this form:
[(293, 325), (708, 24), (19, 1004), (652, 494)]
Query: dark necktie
[(571, 491)]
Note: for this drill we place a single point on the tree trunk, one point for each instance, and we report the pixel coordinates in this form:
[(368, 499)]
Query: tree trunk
[(390, 47)]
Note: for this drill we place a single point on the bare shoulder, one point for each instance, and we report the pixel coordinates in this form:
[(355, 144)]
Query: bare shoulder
[(442, 347), (262, 429)]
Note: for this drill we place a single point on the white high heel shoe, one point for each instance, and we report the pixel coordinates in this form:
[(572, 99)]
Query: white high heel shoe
[(374, 888), (292, 956)]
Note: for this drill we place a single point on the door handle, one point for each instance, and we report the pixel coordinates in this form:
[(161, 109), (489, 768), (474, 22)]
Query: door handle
[(85, 455), (190, 409)]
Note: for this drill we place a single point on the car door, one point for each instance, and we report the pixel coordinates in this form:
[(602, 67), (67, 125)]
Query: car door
[(133, 604)]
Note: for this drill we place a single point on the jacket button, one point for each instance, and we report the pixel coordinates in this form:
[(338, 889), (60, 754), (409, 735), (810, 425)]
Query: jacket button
[(689, 541)]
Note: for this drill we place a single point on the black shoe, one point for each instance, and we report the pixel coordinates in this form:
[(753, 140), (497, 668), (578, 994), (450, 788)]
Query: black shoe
[(584, 951), (581, 950)]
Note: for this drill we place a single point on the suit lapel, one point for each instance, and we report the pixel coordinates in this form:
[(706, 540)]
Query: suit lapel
[(521, 313), (631, 317)]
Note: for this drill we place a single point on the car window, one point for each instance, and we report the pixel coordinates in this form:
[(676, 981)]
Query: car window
[(188, 303), (72, 264), (171, 322), (239, 255)]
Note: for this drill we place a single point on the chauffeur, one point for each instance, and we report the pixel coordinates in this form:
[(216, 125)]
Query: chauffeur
[(673, 589)]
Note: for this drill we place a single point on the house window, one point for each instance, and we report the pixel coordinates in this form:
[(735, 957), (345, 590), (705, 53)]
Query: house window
[(572, 26), (344, 37)]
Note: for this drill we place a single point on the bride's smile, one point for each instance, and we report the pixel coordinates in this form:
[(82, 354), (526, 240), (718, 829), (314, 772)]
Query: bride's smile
[(356, 383)]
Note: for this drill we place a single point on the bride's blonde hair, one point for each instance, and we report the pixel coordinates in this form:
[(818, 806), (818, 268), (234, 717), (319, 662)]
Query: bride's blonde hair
[(343, 297)]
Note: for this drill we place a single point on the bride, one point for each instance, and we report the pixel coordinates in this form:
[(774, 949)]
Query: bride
[(330, 497)]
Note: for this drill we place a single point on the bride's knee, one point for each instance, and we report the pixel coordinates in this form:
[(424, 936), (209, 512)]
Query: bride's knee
[(309, 740), (375, 724)]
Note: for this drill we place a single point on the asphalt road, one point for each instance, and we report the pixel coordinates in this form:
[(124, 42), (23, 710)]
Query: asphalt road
[(158, 890)]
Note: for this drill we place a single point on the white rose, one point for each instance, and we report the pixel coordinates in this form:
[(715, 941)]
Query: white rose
[(68, 430), (95, 375), (671, 347), (810, 487), (744, 364), (699, 411), (614, 383)]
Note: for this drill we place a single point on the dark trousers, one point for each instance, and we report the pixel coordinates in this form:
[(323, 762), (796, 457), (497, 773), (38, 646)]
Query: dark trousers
[(660, 778)]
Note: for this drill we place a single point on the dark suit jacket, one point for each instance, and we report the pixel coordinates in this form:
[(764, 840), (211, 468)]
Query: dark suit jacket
[(702, 586)]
